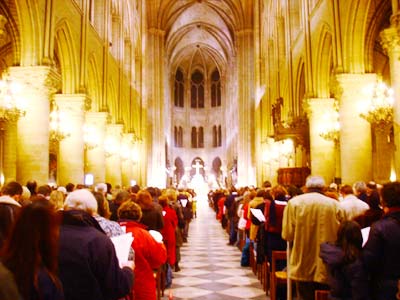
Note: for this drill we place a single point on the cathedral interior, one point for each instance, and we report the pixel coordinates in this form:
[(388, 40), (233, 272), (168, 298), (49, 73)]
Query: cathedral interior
[(192, 92)]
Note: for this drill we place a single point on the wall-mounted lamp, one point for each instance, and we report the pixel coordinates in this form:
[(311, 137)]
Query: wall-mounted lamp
[(11, 105)]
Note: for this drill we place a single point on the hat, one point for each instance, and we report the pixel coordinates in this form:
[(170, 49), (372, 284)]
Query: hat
[(62, 189), (81, 199)]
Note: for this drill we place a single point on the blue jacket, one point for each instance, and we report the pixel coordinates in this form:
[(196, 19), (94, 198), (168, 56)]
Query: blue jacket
[(88, 266), (381, 255), (347, 281)]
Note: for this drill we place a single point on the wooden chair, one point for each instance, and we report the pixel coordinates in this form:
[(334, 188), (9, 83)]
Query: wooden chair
[(252, 256), (277, 277), (321, 295)]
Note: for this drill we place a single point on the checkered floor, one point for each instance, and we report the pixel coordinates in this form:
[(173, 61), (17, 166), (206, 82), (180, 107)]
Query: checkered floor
[(210, 268)]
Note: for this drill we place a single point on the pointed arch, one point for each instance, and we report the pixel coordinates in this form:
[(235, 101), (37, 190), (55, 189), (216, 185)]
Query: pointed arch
[(93, 84), (112, 104), (66, 52), (323, 63), (300, 88)]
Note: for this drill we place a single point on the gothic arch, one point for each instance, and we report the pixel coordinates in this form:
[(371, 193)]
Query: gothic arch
[(112, 104), (323, 63), (66, 53), (13, 47), (93, 84), (31, 33), (300, 88), (179, 169)]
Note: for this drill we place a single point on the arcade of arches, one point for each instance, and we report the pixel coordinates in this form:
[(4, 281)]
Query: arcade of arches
[(222, 91)]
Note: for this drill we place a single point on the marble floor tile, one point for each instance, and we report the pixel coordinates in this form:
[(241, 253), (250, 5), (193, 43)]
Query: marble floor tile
[(210, 269)]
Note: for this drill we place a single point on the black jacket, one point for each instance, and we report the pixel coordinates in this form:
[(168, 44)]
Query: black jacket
[(347, 281), (88, 266)]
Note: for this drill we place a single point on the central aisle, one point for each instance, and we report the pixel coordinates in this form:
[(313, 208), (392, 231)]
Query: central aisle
[(210, 269)]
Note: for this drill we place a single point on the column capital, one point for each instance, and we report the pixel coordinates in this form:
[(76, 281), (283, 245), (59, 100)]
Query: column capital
[(390, 39), (319, 105), (76, 103), (42, 78), (96, 118)]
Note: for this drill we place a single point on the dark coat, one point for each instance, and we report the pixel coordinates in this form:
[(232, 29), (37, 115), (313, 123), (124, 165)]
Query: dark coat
[(347, 281), (152, 218), (88, 265), (381, 255)]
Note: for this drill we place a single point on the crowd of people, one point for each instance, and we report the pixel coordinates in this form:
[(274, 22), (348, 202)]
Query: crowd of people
[(56, 243), (323, 227)]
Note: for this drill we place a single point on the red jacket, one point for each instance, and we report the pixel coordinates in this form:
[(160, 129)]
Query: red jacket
[(168, 233), (149, 255)]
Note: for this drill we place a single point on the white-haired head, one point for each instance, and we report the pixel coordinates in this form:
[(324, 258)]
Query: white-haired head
[(315, 182)]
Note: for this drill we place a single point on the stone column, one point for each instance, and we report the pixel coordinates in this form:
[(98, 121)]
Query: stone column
[(8, 132), (38, 84), (246, 108), (112, 147), (71, 150), (95, 160), (156, 175), (321, 115), (126, 157), (355, 132), (390, 39)]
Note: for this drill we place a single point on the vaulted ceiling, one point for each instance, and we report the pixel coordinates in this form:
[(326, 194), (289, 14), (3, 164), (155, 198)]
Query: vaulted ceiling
[(199, 33)]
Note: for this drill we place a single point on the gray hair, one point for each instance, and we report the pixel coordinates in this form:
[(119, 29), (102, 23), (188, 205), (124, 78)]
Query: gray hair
[(359, 187), (315, 182)]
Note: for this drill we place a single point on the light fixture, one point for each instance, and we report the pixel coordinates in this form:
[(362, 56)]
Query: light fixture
[(380, 110), (57, 127), (331, 129), (11, 105), (111, 146), (91, 136)]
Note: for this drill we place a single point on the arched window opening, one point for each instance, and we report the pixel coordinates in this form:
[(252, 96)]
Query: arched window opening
[(197, 90), (201, 138), (179, 89), (215, 139), (215, 89), (194, 137)]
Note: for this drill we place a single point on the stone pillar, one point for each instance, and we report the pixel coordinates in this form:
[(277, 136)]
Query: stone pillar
[(382, 151), (156, 175), (246, 108), (71, 150), (355, 132), (8, 132), (112, 147), (126, 157), (390, 39), (321, 115), (38, 84), (95, 133)]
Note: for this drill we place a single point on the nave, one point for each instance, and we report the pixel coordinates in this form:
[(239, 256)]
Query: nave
[(210, 269)]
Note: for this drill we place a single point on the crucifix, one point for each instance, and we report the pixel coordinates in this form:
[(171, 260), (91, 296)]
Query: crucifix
[(197, 166)]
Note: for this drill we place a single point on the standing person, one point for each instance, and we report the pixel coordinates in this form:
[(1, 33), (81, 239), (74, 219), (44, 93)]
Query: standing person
[(168, 232), (151, 216), (347, 276), (89, 267), (351, 205), (381, 252), (9, 208), (149, 254), (31, 252), (374, 213), (309, 220)]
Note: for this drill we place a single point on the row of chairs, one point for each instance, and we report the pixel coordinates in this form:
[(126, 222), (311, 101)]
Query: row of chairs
[(270, 280)]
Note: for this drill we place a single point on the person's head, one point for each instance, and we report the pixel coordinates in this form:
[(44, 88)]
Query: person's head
[(349, 238), (315, 184), (371, 186), (279, 192), (101, 187), (163, 201), (266, 184), (32, 186), (144, 199), (346, 190), (391, 194), (26, 194), (171, 194), (81, 200), (129, 210), (374, 200), (122, 196), (359, 188), (12, 189), (70, 187), (102, 205), (44, 190), (57, 199), (32, 245)]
